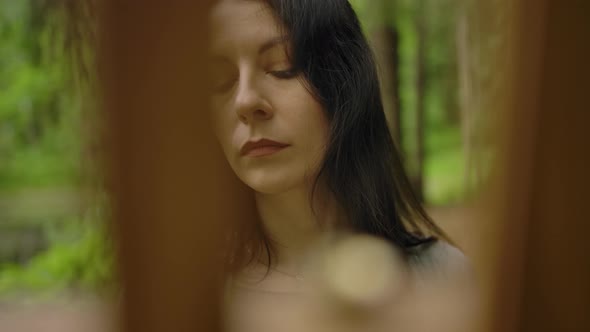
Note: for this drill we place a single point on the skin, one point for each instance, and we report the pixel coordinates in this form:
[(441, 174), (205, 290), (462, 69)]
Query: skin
[(257, 95)]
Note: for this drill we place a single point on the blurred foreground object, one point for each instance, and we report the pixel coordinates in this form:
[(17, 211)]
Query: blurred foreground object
[(542, 270), (359, 283), (172, 189)]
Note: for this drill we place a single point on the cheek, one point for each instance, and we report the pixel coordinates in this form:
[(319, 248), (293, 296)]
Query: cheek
[(313, 131), (320, 139), (316, 123), (305, 110)]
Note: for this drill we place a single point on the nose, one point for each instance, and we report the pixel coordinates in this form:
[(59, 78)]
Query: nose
[(250, 104)]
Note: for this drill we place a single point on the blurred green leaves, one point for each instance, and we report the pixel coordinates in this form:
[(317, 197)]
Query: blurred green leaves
[(39, 116), (41, 145), (84, 264)]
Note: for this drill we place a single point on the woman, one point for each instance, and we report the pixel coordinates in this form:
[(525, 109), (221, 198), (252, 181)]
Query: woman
[(298, 113)]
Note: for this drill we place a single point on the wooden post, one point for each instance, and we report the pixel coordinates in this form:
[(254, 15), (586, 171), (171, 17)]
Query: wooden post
[(543, 274), (173, 193), (417, 175)]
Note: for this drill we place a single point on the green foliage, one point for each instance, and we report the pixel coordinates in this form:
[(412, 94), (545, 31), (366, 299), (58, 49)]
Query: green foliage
[(444, 160), (40, 146), (54, 161), (86, 263), (444, 167), (38, 139)]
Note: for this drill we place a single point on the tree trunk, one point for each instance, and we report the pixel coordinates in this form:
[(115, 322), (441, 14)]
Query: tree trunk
[(386, 44), (466, 92), (451, 83), (418, 174)]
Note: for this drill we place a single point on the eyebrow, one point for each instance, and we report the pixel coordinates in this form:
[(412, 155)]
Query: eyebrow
[(272, 43)]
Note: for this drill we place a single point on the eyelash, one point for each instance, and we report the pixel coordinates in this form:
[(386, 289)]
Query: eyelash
[(279, 74), (283, 74)]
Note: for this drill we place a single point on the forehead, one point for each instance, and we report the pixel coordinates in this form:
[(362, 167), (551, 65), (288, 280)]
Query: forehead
[(241, 23)]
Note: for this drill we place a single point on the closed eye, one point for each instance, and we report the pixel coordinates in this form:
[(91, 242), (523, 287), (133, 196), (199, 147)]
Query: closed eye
[(284, 74)]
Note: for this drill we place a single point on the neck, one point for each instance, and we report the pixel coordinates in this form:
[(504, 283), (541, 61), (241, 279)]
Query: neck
[(293, 225)]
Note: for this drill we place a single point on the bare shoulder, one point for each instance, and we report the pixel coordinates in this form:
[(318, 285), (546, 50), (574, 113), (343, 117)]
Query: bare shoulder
[(441, 260), (445, 285)]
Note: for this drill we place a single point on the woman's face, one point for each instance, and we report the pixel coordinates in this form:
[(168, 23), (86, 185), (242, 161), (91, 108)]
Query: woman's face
[(272, 130)]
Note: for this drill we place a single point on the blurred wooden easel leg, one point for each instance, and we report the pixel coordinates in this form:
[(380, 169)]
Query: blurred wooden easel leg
[(543, 276), (172, 190)]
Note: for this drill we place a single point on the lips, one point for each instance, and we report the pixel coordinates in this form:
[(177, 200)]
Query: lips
[(262, 147)]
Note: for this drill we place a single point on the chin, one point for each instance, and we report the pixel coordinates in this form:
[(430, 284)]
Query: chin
[(271, 184)]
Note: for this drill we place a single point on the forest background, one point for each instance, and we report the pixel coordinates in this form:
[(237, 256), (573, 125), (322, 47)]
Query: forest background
[(436, 72)]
